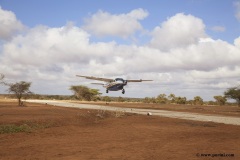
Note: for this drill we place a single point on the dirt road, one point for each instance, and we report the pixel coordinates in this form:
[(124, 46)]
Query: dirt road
[(163, 113)]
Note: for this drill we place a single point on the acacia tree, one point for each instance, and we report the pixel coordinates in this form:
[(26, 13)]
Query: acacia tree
[(172, 98), (180, 100), (198, 100), (19, 89), (220, 100), (161, 98), (84, 93), (146, 100), (233, 93)]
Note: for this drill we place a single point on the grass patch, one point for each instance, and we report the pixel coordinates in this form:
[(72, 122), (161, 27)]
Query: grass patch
[(12, 128), (26, 127)]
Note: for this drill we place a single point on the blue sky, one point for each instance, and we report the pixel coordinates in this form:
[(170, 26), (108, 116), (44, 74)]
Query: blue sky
[(187, 47), (58, 13)]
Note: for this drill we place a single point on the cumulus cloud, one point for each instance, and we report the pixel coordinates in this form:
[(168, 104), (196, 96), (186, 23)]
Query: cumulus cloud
[(45, 50), (221, 72), (180, 56), (121, 25), (237, 42), (43, 45), (9, 24), (178, 31)]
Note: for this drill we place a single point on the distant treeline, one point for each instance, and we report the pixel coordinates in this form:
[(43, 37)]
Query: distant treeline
[(73, 97), (161, 99), (41, 96)]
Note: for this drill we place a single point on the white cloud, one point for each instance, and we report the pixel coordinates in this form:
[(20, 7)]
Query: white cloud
[(9, 24), (184, 62), (178, 31), (43, 45), (121, 25), (137, 14), (218, 73), (237, 12), (205, 55), (51, 48), (218, 28), (237, 42)]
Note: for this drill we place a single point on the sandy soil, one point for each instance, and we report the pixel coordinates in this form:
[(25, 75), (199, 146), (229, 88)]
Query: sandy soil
[(82, 134)]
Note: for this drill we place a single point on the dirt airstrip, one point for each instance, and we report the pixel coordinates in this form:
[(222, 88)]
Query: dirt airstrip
[(50, 132)]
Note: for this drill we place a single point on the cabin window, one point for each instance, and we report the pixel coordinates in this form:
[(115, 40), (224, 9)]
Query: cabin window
[(119, 80)]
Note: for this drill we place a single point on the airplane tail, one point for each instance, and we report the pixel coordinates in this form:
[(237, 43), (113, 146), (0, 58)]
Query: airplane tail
[(98, 83)]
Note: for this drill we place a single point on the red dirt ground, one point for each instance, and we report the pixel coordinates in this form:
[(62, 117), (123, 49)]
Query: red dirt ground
[(82, 134)]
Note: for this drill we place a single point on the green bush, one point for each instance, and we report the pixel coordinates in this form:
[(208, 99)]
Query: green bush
[(12, 128)]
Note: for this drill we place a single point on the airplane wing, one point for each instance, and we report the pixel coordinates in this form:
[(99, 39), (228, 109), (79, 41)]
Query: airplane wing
[(96, 78), (140, 80)]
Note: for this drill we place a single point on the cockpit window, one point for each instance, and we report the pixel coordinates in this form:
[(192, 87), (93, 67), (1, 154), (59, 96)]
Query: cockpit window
[(119, 80)]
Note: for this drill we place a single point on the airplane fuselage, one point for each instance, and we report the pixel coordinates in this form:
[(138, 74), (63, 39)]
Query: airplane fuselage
[(116, 85)]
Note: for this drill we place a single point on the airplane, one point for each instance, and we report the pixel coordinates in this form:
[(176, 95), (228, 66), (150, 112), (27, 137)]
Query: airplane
[(112, 84)]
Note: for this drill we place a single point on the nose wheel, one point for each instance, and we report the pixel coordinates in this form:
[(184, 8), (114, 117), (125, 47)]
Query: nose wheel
[(123, 91), (106, 91)]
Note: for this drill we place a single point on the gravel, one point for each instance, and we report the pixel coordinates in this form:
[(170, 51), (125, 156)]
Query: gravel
[(154, 112)]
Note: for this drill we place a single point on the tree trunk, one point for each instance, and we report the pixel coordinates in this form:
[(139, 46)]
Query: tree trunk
[(19, 102)]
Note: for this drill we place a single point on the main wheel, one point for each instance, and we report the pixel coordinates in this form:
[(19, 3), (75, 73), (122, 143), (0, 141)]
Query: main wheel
[(123, 91), (106, 91)]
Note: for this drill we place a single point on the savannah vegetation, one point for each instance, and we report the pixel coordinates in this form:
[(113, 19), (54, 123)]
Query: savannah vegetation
[(28, 126), (21, 90), (233, 93), (84, 93)]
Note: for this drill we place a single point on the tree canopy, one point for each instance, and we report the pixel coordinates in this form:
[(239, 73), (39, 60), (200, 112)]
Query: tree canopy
[(162, 98), (19, 89), (221, 100), (233, 93), (84, 93), (198, 100)]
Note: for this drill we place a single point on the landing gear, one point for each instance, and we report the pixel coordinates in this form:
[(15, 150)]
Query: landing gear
[(123, 91), (106, 91)]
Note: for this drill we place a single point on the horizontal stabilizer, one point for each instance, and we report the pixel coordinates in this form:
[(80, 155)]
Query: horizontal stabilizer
[(98, 83)]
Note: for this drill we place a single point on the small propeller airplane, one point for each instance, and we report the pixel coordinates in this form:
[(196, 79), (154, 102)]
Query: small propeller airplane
[(112, 84)]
